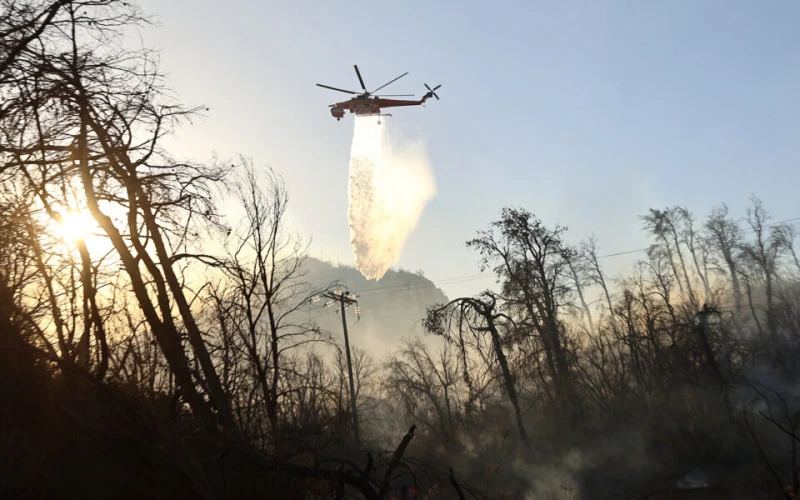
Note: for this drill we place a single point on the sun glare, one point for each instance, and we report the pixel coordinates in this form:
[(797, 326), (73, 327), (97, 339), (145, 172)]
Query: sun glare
[(77, 225)]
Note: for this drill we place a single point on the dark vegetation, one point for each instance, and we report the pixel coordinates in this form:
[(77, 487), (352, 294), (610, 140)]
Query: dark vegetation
[(141, 361)]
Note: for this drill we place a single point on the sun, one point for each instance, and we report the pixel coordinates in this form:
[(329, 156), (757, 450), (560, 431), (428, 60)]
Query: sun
[(76, 225)]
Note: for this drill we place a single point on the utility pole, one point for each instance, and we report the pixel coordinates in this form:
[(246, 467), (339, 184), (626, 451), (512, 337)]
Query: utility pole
[(346, 299)]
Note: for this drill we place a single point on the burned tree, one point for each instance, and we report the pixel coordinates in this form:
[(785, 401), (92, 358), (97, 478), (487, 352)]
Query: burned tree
[(475, 317), (82, 111), (595, 272), (697, 248), (264, 289), (663, 224), (532, 264), (762, 256), (427, 388), (726, 240), (577, 264)]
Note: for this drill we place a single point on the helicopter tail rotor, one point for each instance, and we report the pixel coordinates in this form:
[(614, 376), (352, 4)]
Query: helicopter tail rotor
[(432, 91)]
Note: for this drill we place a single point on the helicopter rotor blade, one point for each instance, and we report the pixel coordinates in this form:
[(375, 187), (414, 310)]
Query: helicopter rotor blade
[(385, 84), (334, 88), (394, 95), (432, 91), (360, 79)]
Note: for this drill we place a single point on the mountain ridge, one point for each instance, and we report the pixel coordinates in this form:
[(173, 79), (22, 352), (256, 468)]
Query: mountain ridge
[(391, 308)]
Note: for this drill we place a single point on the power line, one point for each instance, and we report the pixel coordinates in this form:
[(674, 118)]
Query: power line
[(371, 292), (623, 253), (408, 287)]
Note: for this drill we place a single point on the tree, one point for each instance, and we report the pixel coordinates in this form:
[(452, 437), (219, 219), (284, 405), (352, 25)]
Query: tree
[(477, 316), (264, 272), (726, 242), (763, 255), (82, 111), (576, 262), (427, 388), (697, 248), (595, 272), (532, 264), (22, 24), (663, 224), (785, 235)]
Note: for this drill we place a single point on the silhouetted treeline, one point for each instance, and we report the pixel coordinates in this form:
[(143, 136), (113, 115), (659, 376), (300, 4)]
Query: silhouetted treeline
[(682, 371), (158, 335)]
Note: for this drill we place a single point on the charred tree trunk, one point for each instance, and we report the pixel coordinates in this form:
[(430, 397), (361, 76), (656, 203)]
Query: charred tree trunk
[(508, 379)]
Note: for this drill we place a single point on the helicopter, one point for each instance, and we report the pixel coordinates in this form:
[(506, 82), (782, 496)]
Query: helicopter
[(370, 104)]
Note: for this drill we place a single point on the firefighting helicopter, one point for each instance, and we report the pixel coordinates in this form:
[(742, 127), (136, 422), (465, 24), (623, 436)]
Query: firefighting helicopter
[(370, 104)]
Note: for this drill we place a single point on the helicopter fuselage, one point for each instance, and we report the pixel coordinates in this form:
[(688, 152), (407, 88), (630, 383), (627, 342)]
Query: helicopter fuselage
[(370, 106)]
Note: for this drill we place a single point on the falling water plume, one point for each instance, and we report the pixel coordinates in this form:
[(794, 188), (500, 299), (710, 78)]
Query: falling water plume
[(390, 183)]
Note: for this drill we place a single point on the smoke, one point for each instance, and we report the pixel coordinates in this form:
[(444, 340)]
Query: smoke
[(390, 183)]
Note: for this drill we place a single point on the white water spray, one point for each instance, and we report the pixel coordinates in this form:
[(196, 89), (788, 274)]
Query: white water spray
[(390, 183)]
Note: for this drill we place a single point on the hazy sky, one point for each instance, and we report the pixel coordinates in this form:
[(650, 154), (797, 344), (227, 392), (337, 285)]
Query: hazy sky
[(585, 113)]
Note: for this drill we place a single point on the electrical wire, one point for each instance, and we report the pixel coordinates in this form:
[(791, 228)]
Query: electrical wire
[(389, 289)]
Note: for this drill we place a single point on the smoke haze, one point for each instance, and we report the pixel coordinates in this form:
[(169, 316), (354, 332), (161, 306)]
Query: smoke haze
[(390, 183)]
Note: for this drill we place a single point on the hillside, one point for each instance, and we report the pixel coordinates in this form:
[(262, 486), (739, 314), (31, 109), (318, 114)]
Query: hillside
[(391, 308)]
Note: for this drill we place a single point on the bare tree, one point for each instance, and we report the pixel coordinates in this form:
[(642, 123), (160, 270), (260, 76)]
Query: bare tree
[(595, 272), (22, 24), (83, 108), (427, 388), (785, 235), (726, 237), (763, 255), (265, 269), (477, 316), (577, 270), (696, 248), (530, 260), (663, 224)]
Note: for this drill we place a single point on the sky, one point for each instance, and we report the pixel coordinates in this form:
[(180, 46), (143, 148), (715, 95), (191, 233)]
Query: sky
[(586, 113)]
